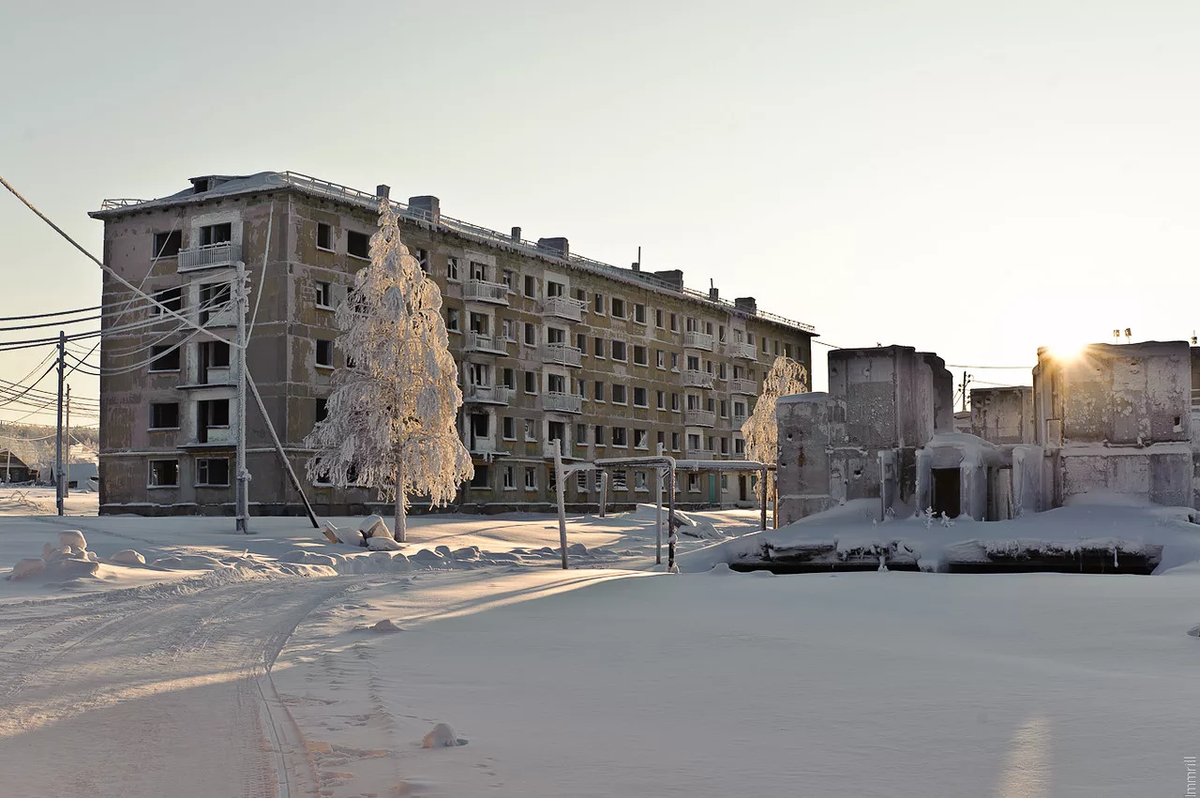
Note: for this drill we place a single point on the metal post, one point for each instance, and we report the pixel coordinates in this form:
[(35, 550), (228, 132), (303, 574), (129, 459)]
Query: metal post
[(559, 489), (763, 493), (603, 491), (671, 523), (58, 453), (67, 447), (658, 491), (775, 499), (242, 499)]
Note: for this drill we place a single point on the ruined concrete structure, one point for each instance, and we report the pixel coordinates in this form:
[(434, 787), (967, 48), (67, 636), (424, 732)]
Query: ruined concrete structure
[(1111, 418), (860, 439), (1117, 418), (552, 346)]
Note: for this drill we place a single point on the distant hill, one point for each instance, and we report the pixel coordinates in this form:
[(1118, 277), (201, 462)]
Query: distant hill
[(34, 443)]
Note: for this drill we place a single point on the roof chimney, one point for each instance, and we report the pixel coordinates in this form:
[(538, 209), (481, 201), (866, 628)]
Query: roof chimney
[(672, 277), (382, 191), (427, 207), (516, 235), (558, 246), (746, 303), (713, 295)]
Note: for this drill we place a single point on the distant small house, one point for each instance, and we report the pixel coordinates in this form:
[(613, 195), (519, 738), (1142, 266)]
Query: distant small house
[(13, 468), (82, 476)]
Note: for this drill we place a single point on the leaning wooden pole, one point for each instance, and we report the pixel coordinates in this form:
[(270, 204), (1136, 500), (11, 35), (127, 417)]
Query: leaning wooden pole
[(287, 466)]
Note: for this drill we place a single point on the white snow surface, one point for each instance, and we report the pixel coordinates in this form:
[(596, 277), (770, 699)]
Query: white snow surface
[(257, 665)]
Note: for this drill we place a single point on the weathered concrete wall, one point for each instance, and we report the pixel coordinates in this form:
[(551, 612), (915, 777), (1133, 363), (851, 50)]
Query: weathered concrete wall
[(805, 463), (1003, 415), (1161, 473), (1131, 394)]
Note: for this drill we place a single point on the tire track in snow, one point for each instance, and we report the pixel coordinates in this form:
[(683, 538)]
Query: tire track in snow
[(156, 693)]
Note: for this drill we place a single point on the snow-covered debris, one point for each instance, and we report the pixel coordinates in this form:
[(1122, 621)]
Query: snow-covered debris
[(128, 557), (351, 537), (73, 538), (27, 567), (379, 543), (374, 527), (442, 736)]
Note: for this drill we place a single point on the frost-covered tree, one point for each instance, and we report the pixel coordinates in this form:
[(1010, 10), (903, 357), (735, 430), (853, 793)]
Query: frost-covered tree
[(761, 430), (390, 421)]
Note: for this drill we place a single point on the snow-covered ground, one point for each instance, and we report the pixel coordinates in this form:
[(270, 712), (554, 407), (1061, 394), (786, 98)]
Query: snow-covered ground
[(231, 668)]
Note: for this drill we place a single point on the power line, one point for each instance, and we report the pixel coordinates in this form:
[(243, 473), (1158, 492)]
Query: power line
[(49, 315), (97, 261)]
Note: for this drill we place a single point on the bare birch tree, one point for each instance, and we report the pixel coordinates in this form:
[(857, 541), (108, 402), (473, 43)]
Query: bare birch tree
[(390, 420)]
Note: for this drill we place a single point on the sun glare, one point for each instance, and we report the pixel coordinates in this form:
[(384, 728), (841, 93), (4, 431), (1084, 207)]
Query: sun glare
[(1067, 350)]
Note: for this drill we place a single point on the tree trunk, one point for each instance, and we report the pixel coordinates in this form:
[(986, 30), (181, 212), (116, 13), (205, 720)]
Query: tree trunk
[(400, 532)]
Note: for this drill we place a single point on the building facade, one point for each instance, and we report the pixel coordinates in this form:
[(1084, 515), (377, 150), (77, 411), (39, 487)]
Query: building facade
[(609, 361)]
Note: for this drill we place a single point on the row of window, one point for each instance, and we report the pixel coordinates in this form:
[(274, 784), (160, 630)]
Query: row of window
[(585, 482), (616, 436), (211, 472)]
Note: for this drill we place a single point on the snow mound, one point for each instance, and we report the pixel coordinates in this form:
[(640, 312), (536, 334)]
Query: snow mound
[(470, 553), (308, 557), (387, 625), (73, 538), (442, 736), (380, 543), (127, 557), (189, 562), (720, 569), (351, 537)]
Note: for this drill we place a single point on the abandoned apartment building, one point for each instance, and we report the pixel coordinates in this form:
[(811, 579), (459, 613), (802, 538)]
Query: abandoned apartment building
[(552, 346), (1109, 418)]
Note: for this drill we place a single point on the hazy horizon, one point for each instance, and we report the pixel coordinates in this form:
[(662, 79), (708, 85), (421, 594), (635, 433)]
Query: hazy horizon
[(966, 179)]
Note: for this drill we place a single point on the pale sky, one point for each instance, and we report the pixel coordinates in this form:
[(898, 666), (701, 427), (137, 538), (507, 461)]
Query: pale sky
[(975, 179)]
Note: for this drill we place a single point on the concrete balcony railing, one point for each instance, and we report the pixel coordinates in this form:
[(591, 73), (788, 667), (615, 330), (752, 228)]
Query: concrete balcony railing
[(484, 291), (488, 394), (562, 355), (697, 379), (563, 308), (744, 387), (699, 418), (482, 446), (742, 350), (737, 421), (698, 340), (209, 256), (699, 454), (480, 342), (562, 402)]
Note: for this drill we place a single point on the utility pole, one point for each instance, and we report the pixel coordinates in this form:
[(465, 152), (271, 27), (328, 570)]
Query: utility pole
[(67, 447), (965, 382), (242, 508), (58, 449)]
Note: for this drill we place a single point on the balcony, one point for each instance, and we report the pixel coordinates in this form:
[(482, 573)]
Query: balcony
[(562, 402), (744, 387), (697, 379), (562, 307), (698, 340), (699, 418), (742, 350), (488, 394), (483, 291), (699, 454), (738, 421), (548, 451), (562, 355), (210, 256), (480, 342), (482, 446)]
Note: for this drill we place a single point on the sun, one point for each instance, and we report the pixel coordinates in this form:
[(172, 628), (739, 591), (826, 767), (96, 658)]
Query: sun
[(1067, 349)]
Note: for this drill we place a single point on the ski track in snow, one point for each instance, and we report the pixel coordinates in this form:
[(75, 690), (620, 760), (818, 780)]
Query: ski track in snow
[(119, 694)]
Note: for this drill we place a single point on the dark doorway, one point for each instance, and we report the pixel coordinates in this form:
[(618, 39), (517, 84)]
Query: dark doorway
[(947, 496), (742, 488)]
